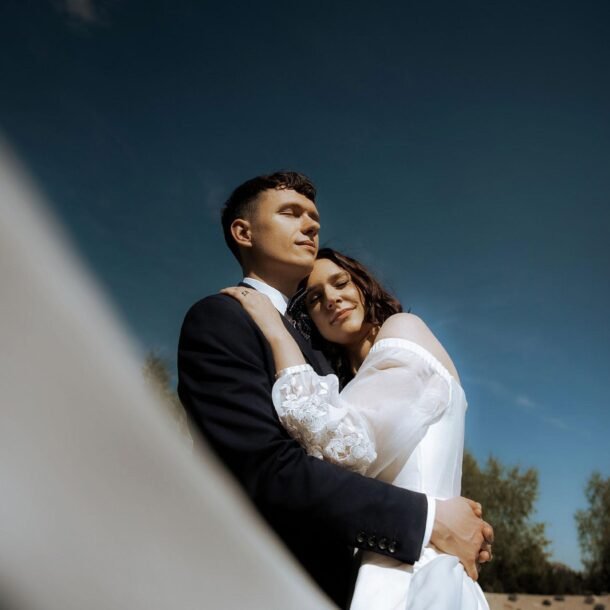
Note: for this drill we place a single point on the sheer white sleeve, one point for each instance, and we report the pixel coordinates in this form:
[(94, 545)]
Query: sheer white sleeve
[(313, 413), (400, 391)]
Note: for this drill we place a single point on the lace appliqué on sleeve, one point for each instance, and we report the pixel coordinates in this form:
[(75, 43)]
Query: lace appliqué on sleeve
[(311, 410)]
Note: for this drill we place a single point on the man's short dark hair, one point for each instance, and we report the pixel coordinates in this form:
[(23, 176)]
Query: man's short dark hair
[(242, 202)]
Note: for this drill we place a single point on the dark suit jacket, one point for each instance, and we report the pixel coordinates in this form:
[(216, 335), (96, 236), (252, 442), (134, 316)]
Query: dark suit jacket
[(320, 511)]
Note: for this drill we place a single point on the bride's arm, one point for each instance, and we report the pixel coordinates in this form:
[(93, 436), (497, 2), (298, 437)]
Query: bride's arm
[(307, 404), (286, 352)]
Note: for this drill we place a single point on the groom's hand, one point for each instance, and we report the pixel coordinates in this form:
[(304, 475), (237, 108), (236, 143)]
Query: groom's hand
[(459, 530)]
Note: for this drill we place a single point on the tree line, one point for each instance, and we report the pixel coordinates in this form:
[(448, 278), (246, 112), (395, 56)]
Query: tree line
[(521, 561)]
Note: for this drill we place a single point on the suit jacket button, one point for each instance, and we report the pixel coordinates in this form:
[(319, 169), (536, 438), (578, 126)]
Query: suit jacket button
[(392, 547), (372, 541), (383, 544), (360, 537)]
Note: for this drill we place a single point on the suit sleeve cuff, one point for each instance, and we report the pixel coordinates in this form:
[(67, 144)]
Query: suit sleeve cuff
[(429, 521)]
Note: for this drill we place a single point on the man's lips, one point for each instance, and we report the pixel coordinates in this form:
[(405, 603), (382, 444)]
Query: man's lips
[(340, 315), (308, 244)]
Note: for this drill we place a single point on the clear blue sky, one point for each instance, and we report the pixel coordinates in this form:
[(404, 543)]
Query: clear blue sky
[(461, 149)]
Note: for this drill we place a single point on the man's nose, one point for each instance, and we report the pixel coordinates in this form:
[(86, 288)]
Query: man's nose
[(310, 227)]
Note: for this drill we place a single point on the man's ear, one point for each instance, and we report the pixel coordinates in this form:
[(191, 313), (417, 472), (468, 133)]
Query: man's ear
[(241, 232)]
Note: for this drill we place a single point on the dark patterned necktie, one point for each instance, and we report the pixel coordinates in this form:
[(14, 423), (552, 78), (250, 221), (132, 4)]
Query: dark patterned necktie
[(297, 314)]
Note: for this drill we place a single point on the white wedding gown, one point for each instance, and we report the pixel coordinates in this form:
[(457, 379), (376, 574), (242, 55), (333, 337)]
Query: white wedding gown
[(401, 420)]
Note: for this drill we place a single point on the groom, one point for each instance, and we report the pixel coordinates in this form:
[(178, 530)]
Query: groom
[(226, 372)]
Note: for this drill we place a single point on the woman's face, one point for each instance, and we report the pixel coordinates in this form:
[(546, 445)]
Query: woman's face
[(335, 304)]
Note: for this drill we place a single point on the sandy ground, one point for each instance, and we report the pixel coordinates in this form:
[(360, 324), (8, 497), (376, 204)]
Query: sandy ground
[(500, 601)]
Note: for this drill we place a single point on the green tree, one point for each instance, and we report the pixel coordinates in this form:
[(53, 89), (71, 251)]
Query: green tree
[(562, 580), (520, 562), (594, 533)]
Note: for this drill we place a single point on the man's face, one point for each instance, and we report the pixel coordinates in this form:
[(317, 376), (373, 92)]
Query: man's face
[(284, 231)]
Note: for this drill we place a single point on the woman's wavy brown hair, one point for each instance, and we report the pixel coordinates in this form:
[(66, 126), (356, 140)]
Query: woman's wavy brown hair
[(379, 305)]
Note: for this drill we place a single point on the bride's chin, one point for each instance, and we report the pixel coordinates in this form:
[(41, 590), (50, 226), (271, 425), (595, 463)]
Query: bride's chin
[(348, 337), (338, 338)]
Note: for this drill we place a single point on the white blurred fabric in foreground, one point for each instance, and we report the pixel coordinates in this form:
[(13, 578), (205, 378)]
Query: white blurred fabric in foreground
[(102, 504)]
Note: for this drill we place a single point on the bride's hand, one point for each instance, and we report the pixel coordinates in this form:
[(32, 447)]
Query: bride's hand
[(260, 308), (286, 352), (459, 530)]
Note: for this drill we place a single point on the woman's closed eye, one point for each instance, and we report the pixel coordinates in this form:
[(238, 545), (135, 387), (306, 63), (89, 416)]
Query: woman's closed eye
[(341, 281), (313, 299)]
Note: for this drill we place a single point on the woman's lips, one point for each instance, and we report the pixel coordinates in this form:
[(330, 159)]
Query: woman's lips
[(341, 315)]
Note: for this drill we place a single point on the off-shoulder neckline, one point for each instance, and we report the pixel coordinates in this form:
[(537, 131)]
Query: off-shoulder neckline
[(430, 358)]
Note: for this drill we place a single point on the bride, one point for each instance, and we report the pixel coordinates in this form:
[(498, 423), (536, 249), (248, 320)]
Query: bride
[(399, 416)]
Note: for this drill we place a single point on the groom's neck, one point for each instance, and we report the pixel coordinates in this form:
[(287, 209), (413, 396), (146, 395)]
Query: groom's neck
[(286, 285)]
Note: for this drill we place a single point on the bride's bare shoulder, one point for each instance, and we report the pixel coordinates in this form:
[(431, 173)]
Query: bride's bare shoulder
[(412, 328), (402, 326)]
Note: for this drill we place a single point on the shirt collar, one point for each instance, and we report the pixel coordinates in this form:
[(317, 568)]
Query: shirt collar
[(279, 300)]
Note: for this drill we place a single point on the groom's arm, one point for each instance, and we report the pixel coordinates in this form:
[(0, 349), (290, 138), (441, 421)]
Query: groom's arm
[(225, 384)]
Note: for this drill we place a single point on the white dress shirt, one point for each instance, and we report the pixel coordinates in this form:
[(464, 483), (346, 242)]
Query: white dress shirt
[(280, 301), (277, 298)]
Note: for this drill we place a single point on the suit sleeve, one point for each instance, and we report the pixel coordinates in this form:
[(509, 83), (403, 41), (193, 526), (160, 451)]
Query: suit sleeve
[(225, 384)]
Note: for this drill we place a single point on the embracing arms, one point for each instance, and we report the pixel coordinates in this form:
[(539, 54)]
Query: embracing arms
[(457, 528), (226, 374), (307, 404)]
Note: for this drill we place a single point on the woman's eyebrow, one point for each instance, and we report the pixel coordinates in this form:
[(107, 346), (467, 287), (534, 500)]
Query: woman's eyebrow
[(331, 278)]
